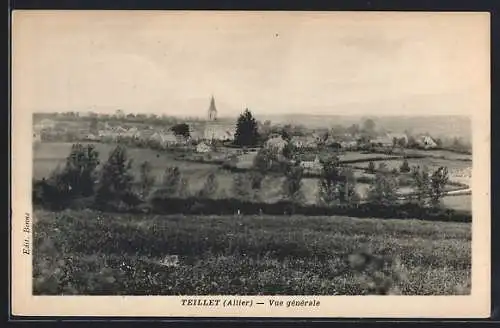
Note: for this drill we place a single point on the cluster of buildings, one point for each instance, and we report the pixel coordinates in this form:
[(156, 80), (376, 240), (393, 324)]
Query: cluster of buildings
[(215, 130), (350, 142)]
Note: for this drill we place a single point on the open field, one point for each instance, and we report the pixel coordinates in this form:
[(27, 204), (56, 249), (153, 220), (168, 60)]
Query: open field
[(48, 155), (87, 252)]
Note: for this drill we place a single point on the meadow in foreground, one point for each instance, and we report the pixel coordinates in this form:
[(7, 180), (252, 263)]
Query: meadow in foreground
[(90, 253)]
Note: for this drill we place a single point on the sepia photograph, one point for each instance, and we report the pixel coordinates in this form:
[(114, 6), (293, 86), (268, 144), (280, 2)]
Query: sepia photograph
[(248, 154)]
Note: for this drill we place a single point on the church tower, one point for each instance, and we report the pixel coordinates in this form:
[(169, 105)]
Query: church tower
[(212, 111)]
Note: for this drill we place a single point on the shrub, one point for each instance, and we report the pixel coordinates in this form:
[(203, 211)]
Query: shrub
[(328, 183), (405, 167), (438, 181), (147, 179), (371, 167), (210, 187), (383, 191), (381, 274), (241, 188), (421, 185), (292, 185)]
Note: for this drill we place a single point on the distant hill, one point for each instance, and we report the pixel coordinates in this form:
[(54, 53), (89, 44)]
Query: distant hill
[(438, 126)]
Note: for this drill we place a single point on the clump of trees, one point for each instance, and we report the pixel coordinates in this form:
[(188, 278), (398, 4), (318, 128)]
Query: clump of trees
[(241, 187), (147, 179), (114, 185), (181, 129), (383, 190), (76, 179), (173, 184), (336, 184), (116, 181), (405, 167), (429, 187), (371, 167), (292, 185), (210, 187), (247, 133)]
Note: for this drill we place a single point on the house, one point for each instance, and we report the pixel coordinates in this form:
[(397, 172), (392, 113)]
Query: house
[(164, 140), (426, 142), (387, 140), (219, 131), (309, 142), (311, 163), (91, 137), (401, 138), (203, 148), (132, 133), (120, 131), (349, 144), (277, 143)]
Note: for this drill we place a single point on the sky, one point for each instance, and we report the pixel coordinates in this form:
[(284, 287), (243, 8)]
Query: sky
[(342, 63)]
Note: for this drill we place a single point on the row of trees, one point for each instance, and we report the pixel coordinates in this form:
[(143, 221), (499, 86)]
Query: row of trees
[(116, 184)]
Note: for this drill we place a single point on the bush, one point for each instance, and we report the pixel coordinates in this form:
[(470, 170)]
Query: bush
[(371, 167), (405, 167)]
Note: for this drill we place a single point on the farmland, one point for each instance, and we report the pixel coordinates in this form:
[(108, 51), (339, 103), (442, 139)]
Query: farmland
[(87, 252), (48, 155)]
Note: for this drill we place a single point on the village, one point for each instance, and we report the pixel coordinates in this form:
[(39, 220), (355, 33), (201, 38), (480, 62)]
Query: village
[(212, 137)]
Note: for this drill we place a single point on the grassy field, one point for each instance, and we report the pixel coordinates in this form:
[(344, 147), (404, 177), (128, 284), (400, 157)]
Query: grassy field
[(87, 252), (462, 202)]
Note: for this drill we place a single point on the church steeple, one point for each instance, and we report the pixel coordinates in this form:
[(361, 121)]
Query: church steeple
[(212, 111)]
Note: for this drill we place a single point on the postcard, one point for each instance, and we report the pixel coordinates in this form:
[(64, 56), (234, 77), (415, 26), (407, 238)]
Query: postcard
[(250, 164)]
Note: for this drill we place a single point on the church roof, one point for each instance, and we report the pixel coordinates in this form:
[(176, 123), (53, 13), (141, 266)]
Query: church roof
[(212, 107)]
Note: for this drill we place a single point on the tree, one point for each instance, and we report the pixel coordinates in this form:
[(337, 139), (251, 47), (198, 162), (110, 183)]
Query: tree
[(116, 179), (265, 160), (347, 186), (371, 167), (405, 167), (265, 129), (329, 181), (383, 190), (246, 130), (402, 143), (292, 185), (241, 187), (181, 129), (79, 172), (412, 142), (421, 185), (369, 126), (171, 184), (286, 132), (183, 190), (289, 151), (438, 181), (147, 179), (210, 187)]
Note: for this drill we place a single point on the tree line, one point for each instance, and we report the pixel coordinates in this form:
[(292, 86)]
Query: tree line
[(113, 185)]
